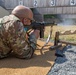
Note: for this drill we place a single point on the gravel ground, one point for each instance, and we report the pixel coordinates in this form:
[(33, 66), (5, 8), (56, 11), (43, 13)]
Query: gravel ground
[(65, 65)]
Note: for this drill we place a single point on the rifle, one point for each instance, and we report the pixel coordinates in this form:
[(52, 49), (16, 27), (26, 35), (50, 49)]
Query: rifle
[(40, 26)]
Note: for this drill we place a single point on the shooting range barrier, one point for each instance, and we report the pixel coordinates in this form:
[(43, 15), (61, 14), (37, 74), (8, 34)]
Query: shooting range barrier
[(58, 43)]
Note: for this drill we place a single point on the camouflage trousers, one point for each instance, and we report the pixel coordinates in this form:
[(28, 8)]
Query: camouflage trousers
[(5, 50)]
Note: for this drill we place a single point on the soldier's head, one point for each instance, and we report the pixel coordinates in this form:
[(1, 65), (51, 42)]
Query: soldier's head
[(24, 14)]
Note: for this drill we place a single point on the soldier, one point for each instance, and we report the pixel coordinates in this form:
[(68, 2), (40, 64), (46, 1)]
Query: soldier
[(13, 37)]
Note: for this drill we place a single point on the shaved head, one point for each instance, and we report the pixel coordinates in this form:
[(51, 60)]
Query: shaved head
[(22, 12)]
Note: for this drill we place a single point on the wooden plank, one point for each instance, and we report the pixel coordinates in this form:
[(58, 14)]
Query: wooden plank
[(42, 3), (56, 38), (30, 3), (67, 10), (26, 3), (74, 10), (59, 10), (51, 3), (69, 32), (64, 10), (36, 3), (51, 10), (66, 42), (48, 3), (39, 18), (66, 2), (59, 2), (62, 6), (42, 10)]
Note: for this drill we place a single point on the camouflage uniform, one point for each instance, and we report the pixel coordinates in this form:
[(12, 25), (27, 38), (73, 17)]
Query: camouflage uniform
[(12, 38), (33, 41)]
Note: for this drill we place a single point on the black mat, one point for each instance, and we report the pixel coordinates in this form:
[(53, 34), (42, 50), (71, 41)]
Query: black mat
[(65, 65)]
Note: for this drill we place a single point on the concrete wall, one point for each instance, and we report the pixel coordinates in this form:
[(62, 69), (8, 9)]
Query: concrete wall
[(3, 12)]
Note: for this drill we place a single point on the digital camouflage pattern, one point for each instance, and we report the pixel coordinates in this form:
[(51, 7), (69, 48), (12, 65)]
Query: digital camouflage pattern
[(33, 41), (12, 38)]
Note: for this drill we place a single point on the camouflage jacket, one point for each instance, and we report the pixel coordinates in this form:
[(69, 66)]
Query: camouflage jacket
[(12, 36)]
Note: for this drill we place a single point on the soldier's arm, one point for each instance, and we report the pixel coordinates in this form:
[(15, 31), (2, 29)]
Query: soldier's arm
[(18, 41)]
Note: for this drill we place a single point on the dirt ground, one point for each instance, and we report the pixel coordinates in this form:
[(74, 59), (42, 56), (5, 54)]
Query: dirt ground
[(38, 65)]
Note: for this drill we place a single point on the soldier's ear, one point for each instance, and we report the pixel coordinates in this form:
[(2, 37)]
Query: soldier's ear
[(23, 20)]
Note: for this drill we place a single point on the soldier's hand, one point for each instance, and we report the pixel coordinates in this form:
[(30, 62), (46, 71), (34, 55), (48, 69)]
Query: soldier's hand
[(36, 33), (26, 37)]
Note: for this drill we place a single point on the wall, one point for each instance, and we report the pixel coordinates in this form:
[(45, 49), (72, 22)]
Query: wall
[(3, 12)]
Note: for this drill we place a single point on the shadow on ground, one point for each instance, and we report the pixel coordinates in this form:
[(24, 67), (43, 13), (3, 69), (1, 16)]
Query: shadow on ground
[(38, 60)]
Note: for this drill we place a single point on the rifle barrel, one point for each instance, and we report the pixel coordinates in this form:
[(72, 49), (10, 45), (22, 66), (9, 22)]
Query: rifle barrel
[(37, 24)]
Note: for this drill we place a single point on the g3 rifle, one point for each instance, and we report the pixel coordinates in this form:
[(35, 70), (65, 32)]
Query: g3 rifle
[(40, 26)]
